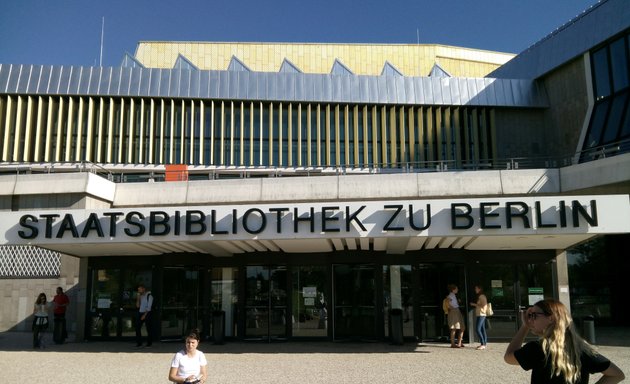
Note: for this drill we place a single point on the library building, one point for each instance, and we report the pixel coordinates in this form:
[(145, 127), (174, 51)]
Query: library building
[(293, 191)]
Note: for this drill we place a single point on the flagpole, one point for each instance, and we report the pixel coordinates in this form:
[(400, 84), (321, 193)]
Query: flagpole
[(100, 62)]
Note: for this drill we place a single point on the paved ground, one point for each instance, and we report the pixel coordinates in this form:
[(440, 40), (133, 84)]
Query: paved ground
[(291, 362)]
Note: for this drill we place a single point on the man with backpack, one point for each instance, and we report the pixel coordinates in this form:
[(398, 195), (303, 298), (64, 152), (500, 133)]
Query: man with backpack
[(144, 303)]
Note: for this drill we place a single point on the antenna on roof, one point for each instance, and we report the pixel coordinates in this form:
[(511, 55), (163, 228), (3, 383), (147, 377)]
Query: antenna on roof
[(418, 35), (100, 61)]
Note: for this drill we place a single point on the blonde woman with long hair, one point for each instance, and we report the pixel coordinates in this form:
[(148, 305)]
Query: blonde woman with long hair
[(560, 355)]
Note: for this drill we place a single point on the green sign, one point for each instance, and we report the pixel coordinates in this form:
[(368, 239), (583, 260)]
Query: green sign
[(535, 291)]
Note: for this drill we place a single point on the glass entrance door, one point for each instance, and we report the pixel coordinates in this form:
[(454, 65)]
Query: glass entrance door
[(433, 281), (113, 302), (310, 301), (182, 308), (397, 288), (354, 301), (266, 303)]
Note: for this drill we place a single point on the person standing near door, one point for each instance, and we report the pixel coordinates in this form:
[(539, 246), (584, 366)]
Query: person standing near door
[(481, 306), (40, 320), (61, 302), (144, 303), (455, 318)]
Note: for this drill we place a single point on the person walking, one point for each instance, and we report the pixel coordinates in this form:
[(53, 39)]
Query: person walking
[(61, 303), (40, 320), (189, 365), (455, 318), (559, 355), (144, 303), (481, 306)]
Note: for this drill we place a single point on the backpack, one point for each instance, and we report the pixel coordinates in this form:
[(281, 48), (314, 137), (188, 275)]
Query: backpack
[(445, 303), (154, 304)]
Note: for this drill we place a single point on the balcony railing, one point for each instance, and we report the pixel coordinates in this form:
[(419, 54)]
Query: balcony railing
[(151, 173)]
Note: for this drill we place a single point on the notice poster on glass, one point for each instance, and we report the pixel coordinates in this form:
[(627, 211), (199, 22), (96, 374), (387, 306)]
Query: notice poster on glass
[(309, 301), (534, 295), (309, 291), (497, 288)]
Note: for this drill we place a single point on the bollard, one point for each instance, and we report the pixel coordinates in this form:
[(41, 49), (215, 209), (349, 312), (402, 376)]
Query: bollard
[(588, 329)]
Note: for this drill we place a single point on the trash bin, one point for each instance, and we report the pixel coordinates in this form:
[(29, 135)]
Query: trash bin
[(218, 327), (588, 329), (396, 326)]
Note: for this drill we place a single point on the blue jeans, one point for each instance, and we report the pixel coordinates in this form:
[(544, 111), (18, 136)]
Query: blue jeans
[(481, 330)]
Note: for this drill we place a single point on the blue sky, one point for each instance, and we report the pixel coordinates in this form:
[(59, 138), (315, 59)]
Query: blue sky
[(69, 31)]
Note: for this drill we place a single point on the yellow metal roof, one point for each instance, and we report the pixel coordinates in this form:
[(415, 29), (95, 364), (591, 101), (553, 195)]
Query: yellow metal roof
[(361, 59)]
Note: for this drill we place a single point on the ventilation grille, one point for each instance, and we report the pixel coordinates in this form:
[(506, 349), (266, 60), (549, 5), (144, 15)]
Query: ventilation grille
[(28, 261)]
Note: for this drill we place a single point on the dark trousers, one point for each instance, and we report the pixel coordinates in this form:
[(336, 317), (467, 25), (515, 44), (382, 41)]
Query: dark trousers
[(60, 332), (149, 325), (40, 325)]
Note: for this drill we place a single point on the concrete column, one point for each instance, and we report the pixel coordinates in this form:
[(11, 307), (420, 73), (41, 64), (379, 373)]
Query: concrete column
[(562, 279), (82, 299)]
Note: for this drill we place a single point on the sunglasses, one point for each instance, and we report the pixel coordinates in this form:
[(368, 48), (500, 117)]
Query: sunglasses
[(534, 315)]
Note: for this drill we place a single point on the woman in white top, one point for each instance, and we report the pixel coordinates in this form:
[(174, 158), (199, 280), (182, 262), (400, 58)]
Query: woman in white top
[(40, 320), (455, 318), (189, 365)]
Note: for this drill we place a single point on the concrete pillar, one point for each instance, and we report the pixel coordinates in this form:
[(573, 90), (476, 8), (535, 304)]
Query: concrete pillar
[(82, 298), (562, 279)]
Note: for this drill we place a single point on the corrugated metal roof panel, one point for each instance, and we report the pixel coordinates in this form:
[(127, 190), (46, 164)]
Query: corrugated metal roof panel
[(271, 86)]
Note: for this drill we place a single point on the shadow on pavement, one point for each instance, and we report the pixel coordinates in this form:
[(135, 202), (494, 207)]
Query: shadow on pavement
[(22, 341)]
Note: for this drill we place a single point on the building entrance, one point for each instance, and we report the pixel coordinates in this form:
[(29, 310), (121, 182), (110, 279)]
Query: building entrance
[(182, 302), (113, 302), (266, 303), (354, 302)]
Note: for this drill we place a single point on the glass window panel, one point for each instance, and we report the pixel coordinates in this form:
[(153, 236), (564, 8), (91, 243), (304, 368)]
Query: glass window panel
[(597, 125), (625, 126), (217, 135), (167, 133), (601, 73), (265, 135), (237, 134), (614, 119), (310, 312), (284, 143), (619, 64), (369, 143), (294, 136), (256, 134), (178, 132), (104, 299), (397, 290), (343, 131), (225, 296), (314, 136), (333, 143), (588, 266), (207, 134), (227, 133), (304, 133)]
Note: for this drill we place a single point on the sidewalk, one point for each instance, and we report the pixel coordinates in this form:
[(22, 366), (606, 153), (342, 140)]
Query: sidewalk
[(290, 362)]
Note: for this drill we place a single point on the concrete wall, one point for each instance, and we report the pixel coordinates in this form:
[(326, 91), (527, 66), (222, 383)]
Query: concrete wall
[(334, 188), (520, 133), (17, 297), (567, 91)]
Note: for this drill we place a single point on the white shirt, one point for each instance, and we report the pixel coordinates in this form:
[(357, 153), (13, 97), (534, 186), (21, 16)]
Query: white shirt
[(187, 366), (453, 300), (146, 302), (41, 310)]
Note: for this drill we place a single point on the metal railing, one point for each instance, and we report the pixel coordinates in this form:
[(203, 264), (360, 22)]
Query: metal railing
[(121, 173)]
